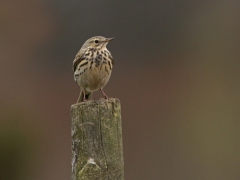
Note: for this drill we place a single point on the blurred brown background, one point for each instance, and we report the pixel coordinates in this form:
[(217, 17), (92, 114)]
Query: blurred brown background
[(176, 73)]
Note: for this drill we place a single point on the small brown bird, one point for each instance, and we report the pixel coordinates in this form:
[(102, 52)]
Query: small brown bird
[(92, 67)]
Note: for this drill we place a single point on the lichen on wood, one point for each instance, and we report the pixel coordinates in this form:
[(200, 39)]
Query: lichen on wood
[(97, 152)]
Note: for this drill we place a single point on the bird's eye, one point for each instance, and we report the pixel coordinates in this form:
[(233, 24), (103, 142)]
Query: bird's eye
[(96, 41)]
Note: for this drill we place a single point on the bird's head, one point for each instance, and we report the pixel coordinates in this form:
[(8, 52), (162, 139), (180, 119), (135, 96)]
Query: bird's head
[(97, 42)]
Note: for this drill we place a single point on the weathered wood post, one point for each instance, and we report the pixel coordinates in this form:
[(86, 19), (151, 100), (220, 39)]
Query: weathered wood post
[(97, 152)]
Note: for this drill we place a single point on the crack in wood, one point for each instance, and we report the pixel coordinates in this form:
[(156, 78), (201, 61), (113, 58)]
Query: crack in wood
[(101, 139)]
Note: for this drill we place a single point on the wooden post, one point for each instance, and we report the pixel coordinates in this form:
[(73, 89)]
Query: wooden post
[(97, 152)]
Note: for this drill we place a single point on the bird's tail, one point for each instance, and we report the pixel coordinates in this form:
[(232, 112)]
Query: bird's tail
[(88, 96)]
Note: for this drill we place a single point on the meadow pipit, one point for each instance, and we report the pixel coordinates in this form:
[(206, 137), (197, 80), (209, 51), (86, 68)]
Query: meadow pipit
[(92, 67)]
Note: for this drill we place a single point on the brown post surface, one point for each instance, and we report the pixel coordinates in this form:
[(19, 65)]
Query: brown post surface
[(97, 152)]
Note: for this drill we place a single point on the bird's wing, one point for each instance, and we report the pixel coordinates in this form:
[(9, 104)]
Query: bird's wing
[(79, 64), (78, 59)]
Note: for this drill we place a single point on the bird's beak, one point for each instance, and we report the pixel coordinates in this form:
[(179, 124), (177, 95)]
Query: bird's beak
[(108, 39)]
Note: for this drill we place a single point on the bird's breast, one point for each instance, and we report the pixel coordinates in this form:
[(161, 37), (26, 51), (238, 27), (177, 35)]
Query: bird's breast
[(95, 70)]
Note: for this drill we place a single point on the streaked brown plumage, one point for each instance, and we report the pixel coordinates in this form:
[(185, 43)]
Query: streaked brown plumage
[(92, 67)]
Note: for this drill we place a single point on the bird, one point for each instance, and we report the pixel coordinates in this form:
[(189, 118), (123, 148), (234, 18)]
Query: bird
[(92, 67)]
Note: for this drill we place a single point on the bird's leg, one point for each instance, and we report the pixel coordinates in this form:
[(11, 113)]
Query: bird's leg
[(81, 97), (84, 97), (105, 96)]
